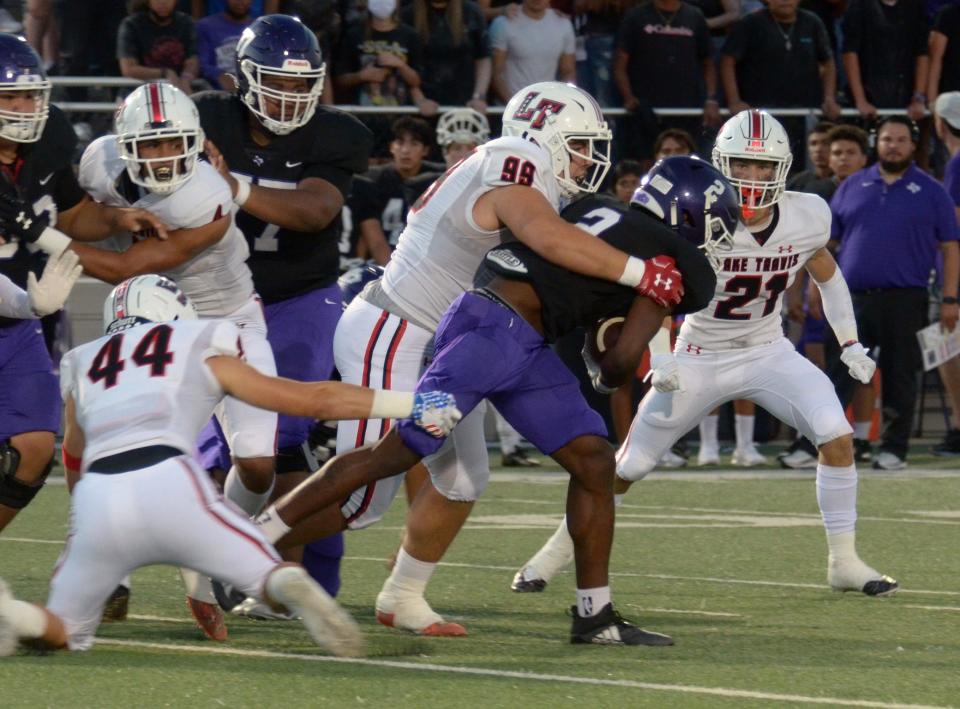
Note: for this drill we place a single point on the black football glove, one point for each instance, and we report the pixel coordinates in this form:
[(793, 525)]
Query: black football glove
[(19, 220)]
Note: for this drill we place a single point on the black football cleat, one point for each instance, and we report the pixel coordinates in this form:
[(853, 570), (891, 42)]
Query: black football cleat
[(115, 609), (883, 586), (519, 459), (608, 628), (524, 585)]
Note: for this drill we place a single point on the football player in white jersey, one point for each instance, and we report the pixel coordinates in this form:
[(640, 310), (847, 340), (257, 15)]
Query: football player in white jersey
[(555, 145), (139, 497), (152, 163), (735, 349)]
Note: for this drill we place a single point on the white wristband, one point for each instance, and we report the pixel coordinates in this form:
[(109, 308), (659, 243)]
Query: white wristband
[(243, 193), (391, 404), (632, 272), (53, 242)]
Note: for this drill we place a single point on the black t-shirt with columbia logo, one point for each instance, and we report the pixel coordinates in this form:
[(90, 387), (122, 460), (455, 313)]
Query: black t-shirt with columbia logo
[(570, 300)]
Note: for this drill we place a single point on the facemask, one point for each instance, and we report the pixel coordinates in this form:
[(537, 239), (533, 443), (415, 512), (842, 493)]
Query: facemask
[(381, 9)]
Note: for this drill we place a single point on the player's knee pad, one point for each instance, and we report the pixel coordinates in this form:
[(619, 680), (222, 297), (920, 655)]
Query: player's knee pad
[(14, 492), (829, 422)]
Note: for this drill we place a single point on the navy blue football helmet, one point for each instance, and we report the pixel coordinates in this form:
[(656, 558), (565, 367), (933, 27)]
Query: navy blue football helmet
[(356, 279), (23, 117), (271, 52), (694, 198)]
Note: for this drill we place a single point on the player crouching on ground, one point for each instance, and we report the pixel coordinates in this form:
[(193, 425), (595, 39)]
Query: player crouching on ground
[(135, 401)]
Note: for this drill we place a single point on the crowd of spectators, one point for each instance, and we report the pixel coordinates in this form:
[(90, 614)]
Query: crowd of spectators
[(641, 55)]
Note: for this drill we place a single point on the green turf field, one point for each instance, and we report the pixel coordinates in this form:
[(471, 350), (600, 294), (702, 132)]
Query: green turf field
[(733, 568)]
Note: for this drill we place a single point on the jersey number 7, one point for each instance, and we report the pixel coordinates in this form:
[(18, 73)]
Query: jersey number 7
[(152, 351)]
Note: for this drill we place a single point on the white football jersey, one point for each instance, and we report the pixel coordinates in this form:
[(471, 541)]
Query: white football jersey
[(148, 385), (217, 280), (441, 247), (745, 310)]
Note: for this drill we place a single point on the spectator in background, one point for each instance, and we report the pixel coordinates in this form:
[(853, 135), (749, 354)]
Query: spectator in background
[(41, 31), (780, 57), (217, 37), (205, 8), (663, 59), (596, 24), (816, 180), (536, 45), (885, 55), (849, 152), (721, 16), (891, 220), (156, 42), (944, 48), (626, 179), (88, 44), (379, 61), (673, 141), (947, 125), (453, 36)]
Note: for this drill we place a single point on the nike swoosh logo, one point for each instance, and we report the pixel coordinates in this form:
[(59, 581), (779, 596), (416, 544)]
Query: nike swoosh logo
[(293, 164), (46, 179), (330, 302)]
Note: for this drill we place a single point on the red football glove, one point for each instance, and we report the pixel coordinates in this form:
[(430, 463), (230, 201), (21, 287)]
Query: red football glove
[(661, 281)]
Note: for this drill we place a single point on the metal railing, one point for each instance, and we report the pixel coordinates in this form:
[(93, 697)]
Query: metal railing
[(611, 112)]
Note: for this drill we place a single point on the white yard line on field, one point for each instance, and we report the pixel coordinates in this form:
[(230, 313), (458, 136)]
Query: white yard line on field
[(528, 676), (955, 609)]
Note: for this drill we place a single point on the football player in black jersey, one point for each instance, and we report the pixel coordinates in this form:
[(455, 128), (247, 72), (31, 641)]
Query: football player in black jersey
[(38, 189), (493, 343), (289, 162)]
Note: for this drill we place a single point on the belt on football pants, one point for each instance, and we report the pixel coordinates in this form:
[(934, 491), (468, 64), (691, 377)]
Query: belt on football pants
[(493, 297), (134, 459)]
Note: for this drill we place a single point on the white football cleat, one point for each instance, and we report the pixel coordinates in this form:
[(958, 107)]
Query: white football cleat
[(748, 457), (857, 576), (256, 609), (708, 455), (413, 613), (8, 633), (671, 460), (328, 623)]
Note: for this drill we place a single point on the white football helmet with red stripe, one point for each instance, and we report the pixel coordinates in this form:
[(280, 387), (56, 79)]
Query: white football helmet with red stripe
[(147, 298), (754, 135), (161, 119), (555, 115)]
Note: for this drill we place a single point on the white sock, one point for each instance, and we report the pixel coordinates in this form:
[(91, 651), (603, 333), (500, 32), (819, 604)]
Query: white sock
[(842, 547), (552, 557), (29, 621), (247, 500), (837, 497), (861, 430), (125, 581), (743, 427), (708, 431), (271, 525), (591, 601), (410, 575), (509, 438)]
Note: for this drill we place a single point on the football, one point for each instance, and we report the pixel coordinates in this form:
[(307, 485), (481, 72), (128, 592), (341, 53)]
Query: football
[(604, 335)]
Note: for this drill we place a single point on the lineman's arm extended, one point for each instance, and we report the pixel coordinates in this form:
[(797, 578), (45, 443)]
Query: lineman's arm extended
[(532, 219), (150, 255), (838, 309), (434, 412)]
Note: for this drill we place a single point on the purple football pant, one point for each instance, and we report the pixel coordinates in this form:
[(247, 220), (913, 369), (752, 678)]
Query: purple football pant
[(486, 351), (29, 389), (300, 332)]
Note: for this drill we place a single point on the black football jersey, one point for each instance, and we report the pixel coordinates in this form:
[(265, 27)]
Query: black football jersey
[(43, 175), (396, 194), (332, 146), (570, 300), (362, 204)]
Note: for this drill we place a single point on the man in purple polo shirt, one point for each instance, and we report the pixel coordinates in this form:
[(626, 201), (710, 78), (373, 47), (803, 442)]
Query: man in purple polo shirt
[(947, 121), (891, 220)]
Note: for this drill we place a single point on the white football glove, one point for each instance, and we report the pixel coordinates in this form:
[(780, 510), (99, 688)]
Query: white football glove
[(593, 370), (50, 293), (435, 412), (664, 372), (858, 362)]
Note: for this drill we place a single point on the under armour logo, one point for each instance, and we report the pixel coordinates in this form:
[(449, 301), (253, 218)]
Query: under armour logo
[(23, 220), (257, 160), (661, 281), (785, 249), (914, 187), (693, 349)]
